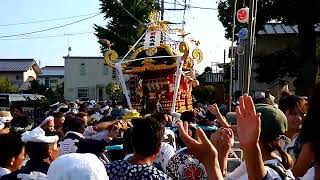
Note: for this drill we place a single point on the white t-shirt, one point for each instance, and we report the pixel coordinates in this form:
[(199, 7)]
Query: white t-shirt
[(240, 173), (170, 138), (288, 145), (310, 175), (166, 152), (4, 171)]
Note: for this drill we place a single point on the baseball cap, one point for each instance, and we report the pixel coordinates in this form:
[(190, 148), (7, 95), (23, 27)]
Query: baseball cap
[(273, 122)]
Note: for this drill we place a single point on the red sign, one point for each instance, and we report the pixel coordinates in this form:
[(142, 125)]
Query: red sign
[(243, 15)]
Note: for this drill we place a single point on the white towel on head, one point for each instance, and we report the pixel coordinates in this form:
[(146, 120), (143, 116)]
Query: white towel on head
[(3, 120), (48, 119), (104, 109), (34, 175), (38, 135), (76, 166)]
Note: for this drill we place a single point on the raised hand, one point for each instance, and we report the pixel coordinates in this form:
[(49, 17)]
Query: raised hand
[(214, 109), (114, 131), (248, 125), (223, 140), (202, 149), (248, 122)]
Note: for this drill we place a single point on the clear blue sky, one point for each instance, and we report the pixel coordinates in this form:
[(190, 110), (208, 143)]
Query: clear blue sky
[(202, 24)]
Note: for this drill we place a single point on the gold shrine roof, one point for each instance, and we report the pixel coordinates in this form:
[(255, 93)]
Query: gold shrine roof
[(152, 59)]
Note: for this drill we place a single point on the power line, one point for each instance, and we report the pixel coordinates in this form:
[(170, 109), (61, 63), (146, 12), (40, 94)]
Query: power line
[(130, 14), (194, 7), (49, 29), (204, 8), (48, 36), (47, 20)]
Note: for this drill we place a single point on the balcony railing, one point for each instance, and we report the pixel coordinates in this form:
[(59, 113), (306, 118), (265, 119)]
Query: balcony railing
[(214, 78)]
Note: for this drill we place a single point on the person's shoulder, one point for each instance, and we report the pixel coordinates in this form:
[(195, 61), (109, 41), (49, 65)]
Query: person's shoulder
[(160, 175), (276, 170), (121, 169), (119, 163), (11, 176), (154, 172)]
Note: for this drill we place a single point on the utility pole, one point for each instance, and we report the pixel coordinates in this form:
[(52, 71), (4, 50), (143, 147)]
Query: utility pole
[(162, 10), (224, 57), (250, 44), (232, 53)]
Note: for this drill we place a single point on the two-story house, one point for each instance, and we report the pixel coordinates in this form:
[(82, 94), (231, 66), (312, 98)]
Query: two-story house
[(20, 72), (86, 78), (51, 76)]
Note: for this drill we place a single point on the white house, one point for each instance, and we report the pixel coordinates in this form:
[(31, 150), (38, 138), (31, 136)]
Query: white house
[(51, 76), (86, 78), (19, 71)]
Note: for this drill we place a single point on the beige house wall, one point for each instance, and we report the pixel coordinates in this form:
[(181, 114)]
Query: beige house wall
[(12, 75), (86, 73), (28, 75)]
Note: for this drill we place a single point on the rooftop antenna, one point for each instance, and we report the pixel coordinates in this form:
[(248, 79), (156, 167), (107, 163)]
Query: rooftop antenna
[(69, 47)]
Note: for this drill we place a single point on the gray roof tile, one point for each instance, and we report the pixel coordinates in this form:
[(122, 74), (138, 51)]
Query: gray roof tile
[(15, 65), (278, 28), (52, 71)]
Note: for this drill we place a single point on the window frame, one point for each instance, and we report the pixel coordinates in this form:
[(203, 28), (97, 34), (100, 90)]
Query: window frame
[(83, 89), (83, 69)]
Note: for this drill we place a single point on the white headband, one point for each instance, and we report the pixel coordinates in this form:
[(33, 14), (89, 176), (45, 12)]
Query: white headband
[(38, 135), (5, 119)]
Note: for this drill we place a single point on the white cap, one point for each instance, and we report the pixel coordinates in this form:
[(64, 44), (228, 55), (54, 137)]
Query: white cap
[(77, 166), (93, 102), (38, 135)]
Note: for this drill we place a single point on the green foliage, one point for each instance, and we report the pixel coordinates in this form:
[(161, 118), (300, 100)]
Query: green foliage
[(6, 86), (121, 29), (114, 91), (51, 95), (283, 63), (208, 70), (291, 12), (204, 93)]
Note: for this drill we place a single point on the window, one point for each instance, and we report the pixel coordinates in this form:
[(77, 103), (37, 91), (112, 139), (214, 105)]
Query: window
[(83, 69), (105, 70), (83, 93), (17, 77)]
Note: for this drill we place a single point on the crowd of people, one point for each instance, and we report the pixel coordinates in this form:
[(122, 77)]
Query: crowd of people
[(98, 141)]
